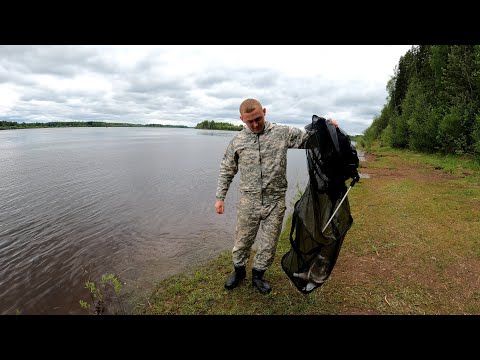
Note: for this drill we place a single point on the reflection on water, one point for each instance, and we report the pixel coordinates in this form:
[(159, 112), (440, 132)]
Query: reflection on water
[(215, 133)]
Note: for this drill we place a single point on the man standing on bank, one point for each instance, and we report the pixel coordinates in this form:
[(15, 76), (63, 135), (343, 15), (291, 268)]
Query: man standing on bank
[(259, 151)]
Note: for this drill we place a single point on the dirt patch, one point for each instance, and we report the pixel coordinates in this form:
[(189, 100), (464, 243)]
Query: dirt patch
[(369, 157), (358, 311), (404, 170), (360, 269), (466, 271), (407, 278)]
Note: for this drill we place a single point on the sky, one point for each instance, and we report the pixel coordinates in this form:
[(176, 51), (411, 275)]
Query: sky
[(187, 84)]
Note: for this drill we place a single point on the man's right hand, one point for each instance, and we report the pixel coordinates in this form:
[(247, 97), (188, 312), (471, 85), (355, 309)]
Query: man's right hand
[(334, 122), (219, 206)]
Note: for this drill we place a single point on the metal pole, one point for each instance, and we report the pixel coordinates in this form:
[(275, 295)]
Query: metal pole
[(344, 196)]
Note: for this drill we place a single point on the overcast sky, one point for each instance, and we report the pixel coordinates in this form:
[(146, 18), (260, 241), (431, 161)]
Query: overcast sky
[(184, 85)]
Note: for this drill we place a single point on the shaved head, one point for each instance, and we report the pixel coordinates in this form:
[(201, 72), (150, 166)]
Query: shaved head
[(253, 115), (249, 105)]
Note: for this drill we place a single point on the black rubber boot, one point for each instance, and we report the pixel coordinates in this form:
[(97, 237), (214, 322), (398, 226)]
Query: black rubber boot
[(262, 286), (236, 277)]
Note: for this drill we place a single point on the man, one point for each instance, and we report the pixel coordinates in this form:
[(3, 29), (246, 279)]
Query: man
[(259, 151)]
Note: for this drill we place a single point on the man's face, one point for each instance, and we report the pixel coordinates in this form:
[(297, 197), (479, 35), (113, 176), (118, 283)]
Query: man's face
[(255, 120)]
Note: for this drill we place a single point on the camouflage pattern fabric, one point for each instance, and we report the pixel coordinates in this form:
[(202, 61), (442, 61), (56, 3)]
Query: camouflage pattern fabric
[(262, 162), (261, 159), (250, 212)]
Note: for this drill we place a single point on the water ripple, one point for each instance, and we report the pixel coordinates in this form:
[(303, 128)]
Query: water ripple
[(78, 203)]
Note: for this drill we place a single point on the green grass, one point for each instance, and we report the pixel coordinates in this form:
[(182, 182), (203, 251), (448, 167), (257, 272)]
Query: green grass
[(414, 248)]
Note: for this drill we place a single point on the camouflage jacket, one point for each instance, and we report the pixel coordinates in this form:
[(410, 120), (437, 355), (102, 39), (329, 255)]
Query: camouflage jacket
[(261, 159)]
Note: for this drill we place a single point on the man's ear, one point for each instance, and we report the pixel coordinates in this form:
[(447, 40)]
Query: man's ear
[(241, 117), (264, 111)]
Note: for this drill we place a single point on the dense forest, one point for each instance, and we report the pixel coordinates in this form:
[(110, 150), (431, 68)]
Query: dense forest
[(5, 125), (433, 102), (212, 125)]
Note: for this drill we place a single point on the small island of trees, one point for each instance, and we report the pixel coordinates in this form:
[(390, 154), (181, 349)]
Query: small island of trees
[(212, 125)]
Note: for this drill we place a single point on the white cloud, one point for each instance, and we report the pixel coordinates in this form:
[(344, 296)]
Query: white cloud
[(188, 84), (8, 98)]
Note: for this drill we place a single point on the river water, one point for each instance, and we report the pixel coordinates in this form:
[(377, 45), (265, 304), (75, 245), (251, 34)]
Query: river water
[(136, 202)]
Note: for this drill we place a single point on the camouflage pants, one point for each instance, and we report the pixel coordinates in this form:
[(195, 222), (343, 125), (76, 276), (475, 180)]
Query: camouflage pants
[(250, 213)]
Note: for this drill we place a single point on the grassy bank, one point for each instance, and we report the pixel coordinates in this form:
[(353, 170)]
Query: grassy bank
[(414, 248)]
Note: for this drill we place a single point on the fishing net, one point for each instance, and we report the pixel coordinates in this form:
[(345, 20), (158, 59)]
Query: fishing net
[(316, 242)]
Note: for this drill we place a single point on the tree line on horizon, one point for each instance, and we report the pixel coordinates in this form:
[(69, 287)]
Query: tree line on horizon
[(207, 124), (433, 102), (6, 125)]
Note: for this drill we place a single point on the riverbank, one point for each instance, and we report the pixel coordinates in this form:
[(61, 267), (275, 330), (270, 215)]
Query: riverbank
[(414, 248)]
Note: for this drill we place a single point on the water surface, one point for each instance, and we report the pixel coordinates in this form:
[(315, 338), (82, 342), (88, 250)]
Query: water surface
[(137, 202)]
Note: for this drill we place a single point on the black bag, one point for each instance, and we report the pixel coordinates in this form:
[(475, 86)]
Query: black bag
[(332, 160)]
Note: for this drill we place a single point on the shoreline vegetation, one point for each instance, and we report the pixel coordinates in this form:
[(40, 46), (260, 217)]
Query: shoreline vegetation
[(433, 102), (414, 248), (206, 124)]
